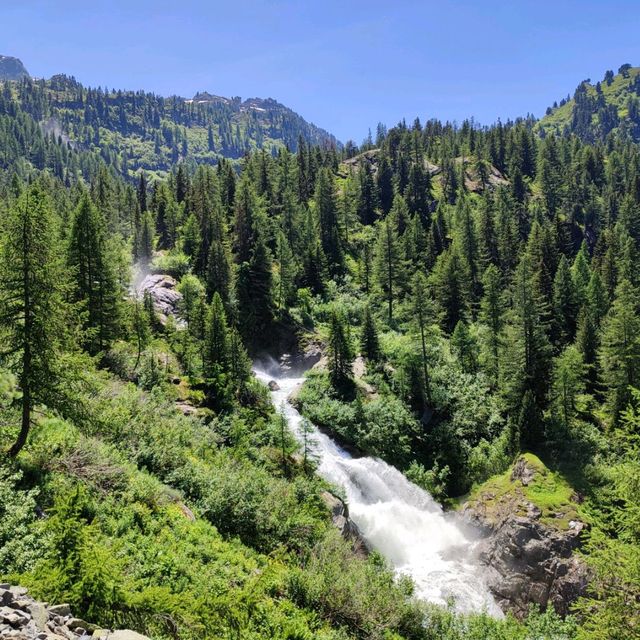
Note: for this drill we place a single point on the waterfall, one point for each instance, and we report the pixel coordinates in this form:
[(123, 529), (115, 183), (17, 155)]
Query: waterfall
[(397, 518)]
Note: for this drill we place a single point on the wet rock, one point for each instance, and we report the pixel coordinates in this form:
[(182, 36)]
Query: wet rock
[(273, 385), (340, 518)]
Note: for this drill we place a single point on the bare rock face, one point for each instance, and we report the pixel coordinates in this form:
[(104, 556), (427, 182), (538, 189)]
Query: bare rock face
[(301, 359), (529, 560), (166, 298), (340, 518)]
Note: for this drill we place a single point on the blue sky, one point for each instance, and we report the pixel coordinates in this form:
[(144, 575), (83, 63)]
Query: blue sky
[(343, 65)]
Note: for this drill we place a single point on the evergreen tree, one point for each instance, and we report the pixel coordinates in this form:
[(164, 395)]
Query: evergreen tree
[(217, 339), (492, 316), (287, 271), (620, 350), (388, 262), (526, 363), (144, 250), (327, 212), (96, 287), (32, 316), (367, 197), (564, 304), (340, 351), (568, 384), (254, 293), (424, 317), (219, 272), (465, 347), (369, 341), (384, 184)]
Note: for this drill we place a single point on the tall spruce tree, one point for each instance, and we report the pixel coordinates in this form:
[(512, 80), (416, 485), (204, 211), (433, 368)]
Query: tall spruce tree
[(95, 283)]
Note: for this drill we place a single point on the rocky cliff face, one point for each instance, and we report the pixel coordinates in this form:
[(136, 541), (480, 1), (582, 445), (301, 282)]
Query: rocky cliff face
[(12, 69), (528, 550), (23, 618)]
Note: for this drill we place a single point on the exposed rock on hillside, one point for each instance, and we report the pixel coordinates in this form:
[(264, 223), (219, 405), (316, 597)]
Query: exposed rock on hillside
[(12, 69), (165, 296), (532, 529), (473, 181), (24, 618)]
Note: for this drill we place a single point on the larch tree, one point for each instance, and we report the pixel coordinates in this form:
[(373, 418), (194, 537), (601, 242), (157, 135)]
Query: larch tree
[(32, 315)]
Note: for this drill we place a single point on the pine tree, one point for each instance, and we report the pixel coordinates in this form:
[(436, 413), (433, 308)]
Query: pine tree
[(287, 271), (492, 316), (219, 272), (254, 293), (424, 316), (564, 304), (144, 249), (620, 350), (190, 237), (32, 317), (581, 274), (418, 192), (587, 342), (340, 351), (452, 285), (389, 268), (568, 384), (369, 341), (465, 347), (384, 184), (367, 197), (327, 212), (96, 287), (526, 363), (216, 352)]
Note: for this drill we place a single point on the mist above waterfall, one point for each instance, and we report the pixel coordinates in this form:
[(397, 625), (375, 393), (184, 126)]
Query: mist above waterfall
[(398, 518)]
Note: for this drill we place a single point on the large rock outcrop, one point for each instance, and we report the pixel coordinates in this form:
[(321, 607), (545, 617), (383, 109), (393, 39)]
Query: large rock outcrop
[(529, 550), (166, 298), (23, 618)]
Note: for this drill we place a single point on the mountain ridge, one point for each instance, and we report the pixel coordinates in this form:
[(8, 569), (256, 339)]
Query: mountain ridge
[(136, 130), (610, 105)]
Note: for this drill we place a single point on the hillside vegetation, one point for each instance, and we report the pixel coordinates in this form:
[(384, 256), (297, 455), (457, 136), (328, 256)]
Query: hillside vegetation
[(610, 106), (492, 305)]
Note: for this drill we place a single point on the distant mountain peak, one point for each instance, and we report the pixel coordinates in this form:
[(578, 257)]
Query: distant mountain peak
[(12, 68)]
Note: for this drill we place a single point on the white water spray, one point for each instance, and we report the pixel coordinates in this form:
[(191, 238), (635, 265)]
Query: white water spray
[(398, 519)]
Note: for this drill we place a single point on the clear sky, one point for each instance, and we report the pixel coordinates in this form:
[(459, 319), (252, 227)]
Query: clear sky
[(344, 65)]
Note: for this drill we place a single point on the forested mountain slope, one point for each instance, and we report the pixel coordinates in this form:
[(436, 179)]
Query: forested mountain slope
[(138, 130), (484, 282), (611, 105)]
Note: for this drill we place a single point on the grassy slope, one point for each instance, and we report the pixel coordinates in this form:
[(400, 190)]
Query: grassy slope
[(616, 93)]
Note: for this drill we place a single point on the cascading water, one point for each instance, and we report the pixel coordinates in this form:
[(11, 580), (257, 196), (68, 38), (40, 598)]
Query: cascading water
[(397, 518)]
